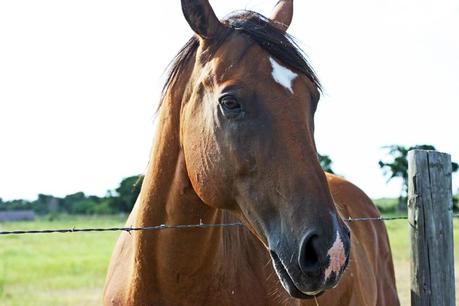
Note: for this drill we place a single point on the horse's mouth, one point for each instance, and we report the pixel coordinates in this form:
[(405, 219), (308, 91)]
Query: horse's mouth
[(288, 283)]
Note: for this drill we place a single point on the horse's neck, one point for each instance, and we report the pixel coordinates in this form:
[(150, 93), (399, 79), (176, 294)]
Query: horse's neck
[(168, 259)]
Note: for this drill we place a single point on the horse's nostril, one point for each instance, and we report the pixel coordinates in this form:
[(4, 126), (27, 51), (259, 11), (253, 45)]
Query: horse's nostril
[(309, 256)]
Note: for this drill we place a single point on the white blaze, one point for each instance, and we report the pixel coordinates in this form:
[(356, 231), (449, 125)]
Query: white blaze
[(337, 257), (283, 75)]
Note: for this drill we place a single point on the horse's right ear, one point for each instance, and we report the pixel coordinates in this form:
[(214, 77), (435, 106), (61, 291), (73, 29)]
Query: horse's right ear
[(201, 18)]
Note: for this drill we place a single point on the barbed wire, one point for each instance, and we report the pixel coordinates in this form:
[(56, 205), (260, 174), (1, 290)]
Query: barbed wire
[(120, 229), (381, 218), (178, 226)]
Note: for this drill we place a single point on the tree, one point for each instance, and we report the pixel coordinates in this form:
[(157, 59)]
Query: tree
[(397, 166), (128, 191), (16, 205), (70, 200), (45, 204), (326, 163)]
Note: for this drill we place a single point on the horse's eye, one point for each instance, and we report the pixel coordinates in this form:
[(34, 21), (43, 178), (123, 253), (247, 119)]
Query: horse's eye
[(230, 105)]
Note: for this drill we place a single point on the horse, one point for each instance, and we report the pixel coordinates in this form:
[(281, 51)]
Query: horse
[(235, 143)]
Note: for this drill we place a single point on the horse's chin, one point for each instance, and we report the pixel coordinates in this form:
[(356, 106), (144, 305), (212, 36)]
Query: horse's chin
[(289, 284)]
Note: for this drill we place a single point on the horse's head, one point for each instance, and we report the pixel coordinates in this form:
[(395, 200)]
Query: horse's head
[(246, 130)]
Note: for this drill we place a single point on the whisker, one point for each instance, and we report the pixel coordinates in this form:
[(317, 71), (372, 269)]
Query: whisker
[(315, 299)]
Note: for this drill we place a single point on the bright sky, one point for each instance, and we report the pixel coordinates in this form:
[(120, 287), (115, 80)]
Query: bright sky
[(80, 82)]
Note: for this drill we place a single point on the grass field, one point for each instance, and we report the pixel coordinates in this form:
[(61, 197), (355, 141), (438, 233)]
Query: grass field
[(69, 269), (55, 269)]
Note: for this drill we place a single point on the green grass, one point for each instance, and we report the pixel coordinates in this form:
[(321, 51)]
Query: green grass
[(55, 269), (69, 269)]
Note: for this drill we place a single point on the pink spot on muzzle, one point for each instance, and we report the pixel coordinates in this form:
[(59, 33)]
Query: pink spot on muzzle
[(337, 257)]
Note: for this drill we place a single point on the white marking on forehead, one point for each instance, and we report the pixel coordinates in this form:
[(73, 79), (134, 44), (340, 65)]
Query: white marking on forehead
[(337, 257), (283, 75)]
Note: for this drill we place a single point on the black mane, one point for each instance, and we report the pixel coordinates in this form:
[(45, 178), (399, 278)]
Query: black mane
[(276, 42)]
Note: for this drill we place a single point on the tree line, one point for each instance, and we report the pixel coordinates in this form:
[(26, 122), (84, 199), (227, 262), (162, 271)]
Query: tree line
[(123, 198), (120, 201)]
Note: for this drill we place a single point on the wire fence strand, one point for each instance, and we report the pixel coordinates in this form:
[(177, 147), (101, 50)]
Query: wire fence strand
[(366, 219), (120, 229), (201, 225)]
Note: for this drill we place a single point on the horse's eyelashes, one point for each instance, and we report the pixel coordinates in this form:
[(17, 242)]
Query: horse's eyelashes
[(230, 106), (230, 102)]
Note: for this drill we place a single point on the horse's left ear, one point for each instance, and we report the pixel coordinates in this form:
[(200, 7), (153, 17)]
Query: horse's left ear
[(282, 14), (201, 18)]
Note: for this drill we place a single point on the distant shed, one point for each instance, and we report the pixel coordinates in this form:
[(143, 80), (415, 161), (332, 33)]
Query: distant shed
[(19, 215)]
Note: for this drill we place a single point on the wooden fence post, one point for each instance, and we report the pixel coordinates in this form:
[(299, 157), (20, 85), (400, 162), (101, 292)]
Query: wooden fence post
[(430, 213)]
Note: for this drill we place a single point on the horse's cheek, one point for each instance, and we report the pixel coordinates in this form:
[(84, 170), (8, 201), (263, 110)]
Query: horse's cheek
[(206, 174)]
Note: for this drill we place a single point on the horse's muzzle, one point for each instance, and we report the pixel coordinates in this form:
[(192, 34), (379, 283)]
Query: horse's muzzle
[(317, 268)]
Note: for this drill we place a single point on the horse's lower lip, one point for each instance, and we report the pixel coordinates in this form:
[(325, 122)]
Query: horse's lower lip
[(288, 283), (314, 293)]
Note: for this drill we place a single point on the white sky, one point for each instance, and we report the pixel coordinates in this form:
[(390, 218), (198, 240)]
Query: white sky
[(80, 82)]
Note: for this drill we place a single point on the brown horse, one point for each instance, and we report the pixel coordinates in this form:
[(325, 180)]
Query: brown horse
[(235, 143)]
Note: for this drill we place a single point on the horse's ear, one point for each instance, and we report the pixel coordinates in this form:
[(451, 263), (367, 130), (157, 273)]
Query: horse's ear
[(201, 18), (282, 14)]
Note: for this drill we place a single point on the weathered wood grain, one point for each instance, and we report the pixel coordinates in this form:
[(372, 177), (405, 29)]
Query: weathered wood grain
[(431, 221)]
